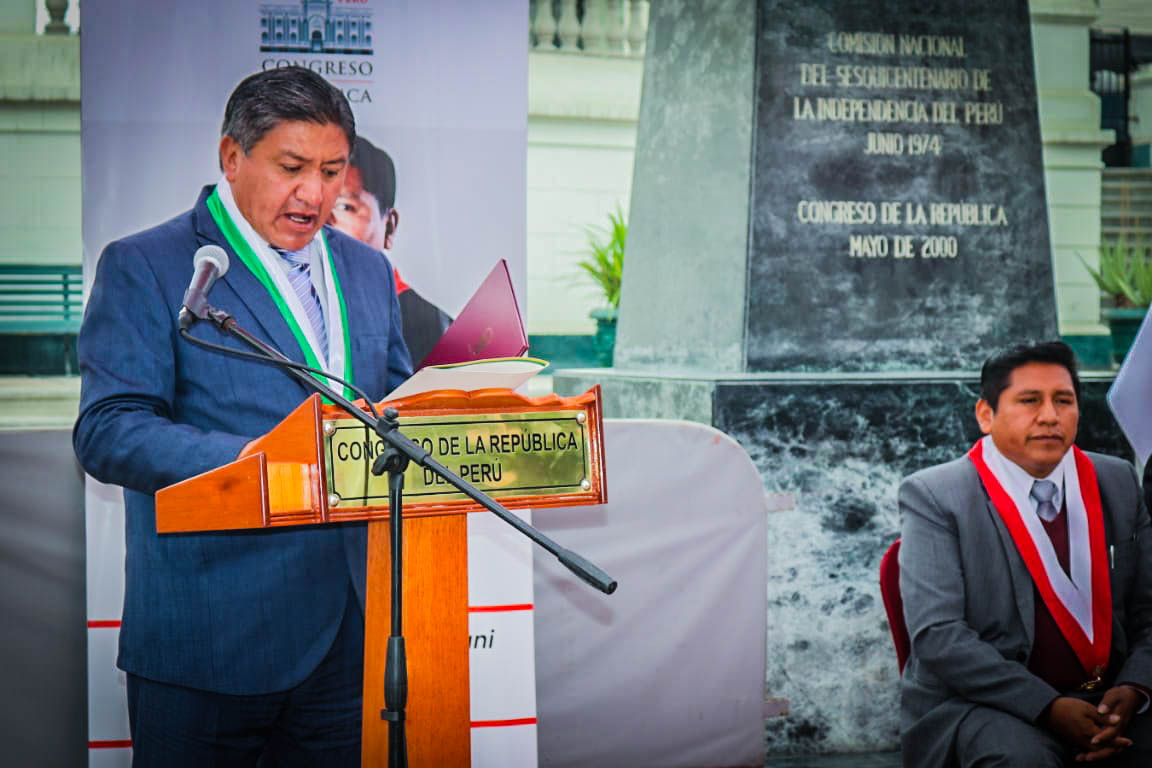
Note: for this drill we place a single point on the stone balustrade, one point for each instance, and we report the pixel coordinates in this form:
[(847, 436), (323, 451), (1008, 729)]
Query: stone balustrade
[(595, 27), (56, 25), (603, 27)]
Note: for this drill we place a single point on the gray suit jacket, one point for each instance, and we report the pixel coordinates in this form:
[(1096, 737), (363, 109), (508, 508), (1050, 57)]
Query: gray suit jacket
[(968, 601)]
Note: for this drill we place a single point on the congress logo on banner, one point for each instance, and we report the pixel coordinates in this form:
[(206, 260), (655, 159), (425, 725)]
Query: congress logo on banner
[(310, 33), (315, 26)]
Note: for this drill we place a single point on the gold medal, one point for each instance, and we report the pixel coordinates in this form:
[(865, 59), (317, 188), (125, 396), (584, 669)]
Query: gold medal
[(1096, 681)]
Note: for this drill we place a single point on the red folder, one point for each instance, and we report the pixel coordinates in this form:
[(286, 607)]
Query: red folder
[(489, 325)]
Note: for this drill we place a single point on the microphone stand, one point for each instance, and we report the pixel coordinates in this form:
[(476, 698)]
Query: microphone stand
[(398, 451)]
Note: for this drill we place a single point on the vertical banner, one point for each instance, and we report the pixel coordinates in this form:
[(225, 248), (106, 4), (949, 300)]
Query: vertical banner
[(439, 92)]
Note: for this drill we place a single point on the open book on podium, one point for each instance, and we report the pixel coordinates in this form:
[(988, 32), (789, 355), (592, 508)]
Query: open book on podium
[(315, 468)]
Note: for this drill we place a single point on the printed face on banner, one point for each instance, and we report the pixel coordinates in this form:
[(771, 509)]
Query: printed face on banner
[(1035, 421), (356, 213), (365, 207), (287, 185)]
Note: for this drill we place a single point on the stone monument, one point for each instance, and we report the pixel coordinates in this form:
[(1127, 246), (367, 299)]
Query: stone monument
[(838, 211)]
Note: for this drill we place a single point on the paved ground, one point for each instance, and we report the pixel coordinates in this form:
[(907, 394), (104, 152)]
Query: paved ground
[(50, 402), (873, 760), (38, 402)]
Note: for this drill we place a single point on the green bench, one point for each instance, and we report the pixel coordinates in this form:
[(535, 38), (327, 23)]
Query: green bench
[(41, 298), (41, 306)]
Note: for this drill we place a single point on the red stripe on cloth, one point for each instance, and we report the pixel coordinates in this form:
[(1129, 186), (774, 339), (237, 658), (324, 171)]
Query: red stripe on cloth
[(110, 744), (401, 286), (1094, 653), (500, 608), (103, 623), (1101, 565), (502, 723)]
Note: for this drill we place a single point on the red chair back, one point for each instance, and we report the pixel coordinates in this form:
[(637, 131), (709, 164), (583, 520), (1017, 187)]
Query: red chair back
[(893, 603)]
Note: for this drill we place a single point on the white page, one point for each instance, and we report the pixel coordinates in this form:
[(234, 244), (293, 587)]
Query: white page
[(498, 373)]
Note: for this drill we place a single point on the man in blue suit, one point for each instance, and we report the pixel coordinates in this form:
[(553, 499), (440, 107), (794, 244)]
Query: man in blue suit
[(242, 647)]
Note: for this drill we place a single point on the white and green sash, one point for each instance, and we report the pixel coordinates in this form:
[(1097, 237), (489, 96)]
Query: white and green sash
[(264, 263)]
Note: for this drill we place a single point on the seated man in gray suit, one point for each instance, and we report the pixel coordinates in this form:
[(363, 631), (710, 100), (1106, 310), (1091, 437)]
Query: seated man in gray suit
[(1026, 574)]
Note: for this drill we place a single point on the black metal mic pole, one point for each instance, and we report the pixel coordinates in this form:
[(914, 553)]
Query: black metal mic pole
[(396, 665), (393, 462)]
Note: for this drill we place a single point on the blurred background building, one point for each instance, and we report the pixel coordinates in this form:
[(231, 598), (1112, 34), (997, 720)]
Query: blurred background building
[(586, 61)]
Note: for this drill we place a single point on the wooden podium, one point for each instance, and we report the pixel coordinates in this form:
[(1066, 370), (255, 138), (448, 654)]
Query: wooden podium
[(313, 468)]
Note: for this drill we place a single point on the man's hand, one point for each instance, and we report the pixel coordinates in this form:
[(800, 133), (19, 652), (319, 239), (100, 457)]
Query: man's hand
[(1076, 722), (1117, 708)]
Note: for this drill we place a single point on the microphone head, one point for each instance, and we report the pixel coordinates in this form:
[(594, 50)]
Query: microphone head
[(211, 253)]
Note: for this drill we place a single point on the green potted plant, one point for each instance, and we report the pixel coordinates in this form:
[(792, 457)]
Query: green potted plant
[(1125, 277), (605, 265)]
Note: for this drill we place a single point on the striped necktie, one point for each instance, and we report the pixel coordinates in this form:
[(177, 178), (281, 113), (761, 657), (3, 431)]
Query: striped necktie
[(300, 277), (1043, 491)]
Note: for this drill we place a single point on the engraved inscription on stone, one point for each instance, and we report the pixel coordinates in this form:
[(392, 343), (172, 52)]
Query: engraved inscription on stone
[(899, 218)]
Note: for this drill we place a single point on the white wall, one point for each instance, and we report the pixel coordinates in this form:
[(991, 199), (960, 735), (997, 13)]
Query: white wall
[(1136, 15), (40, 183), (39, 139), (1141, 105), (582, 112), (1072, 142)]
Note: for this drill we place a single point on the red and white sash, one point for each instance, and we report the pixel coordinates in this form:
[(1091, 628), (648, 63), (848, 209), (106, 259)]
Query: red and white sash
[(1081, 603)]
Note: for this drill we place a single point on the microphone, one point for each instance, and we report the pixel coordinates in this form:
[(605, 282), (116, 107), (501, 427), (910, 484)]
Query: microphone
[(209, 263)]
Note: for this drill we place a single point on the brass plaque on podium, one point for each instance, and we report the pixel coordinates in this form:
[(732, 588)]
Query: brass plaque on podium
[(503, 454), (315, 466)]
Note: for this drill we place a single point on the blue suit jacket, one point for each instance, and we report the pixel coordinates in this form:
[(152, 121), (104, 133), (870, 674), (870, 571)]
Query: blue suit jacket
[(242, 612)]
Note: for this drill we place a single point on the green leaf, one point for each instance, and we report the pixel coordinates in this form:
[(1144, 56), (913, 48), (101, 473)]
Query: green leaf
[(605, 265), (1125, 272)]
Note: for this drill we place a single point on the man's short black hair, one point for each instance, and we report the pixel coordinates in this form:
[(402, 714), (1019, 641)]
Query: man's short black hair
[(264, 100), (377, 172), (997, 371)]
